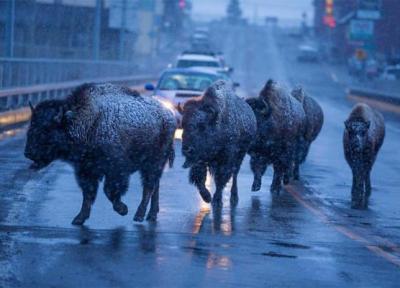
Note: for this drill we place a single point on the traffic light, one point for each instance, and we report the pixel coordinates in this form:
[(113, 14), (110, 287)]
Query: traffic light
[(329, 19), (182, 4)]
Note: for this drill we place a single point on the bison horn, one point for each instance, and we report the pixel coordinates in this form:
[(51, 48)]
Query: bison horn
[(179, 108), (31, 106), (69, 114), (59, 116), (347, 124), (212, 112)]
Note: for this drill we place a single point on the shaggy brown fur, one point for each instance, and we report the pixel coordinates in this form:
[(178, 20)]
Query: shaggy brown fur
[(314, 122), (280, 128), (363, 137)]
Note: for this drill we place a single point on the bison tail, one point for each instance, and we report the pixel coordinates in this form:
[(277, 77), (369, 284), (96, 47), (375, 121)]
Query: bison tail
[(171, 156)]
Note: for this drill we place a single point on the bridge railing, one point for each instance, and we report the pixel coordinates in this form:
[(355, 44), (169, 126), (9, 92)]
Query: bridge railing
[(15, 98), (14, 102), (19, 72)]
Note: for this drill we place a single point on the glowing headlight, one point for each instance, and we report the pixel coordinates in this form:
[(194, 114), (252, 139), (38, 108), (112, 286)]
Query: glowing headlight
[(167, 104)]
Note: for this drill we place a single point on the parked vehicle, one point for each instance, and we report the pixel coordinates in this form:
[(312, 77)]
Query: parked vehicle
[(391, 73), (308, 53)]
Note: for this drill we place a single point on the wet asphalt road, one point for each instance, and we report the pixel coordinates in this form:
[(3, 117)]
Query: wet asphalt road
[(307, 236)]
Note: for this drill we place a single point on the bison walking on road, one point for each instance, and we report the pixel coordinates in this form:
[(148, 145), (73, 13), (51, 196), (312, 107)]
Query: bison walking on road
[(280, 130), (217, 131), (363, 137), (314, 122), (105, 131)]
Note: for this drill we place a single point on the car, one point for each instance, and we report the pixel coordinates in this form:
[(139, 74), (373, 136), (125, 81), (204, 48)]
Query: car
[(211, 60), (391, 72), (178, 85), (307, 53)]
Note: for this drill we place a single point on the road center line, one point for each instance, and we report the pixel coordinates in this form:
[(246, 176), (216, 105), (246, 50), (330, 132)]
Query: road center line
[(342, 229)]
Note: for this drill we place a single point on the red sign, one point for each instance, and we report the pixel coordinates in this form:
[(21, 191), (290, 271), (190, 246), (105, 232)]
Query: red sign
[(330, 21)]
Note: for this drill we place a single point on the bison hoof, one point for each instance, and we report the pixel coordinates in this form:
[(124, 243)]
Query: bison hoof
[(138, 218), (217, 201), (79, 220), (275, 190), (206, 196), (120, 208), (151, 217), (256, 186), (356, 204)]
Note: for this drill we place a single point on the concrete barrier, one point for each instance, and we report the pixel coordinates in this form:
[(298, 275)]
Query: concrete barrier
[(375, 95), (383, 101)]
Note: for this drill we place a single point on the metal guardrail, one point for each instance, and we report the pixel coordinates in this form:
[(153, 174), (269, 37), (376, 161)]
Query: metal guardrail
[(17, 72), (16, 98)]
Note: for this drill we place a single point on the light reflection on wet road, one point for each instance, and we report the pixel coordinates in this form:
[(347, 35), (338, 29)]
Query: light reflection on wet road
[(265, 241)]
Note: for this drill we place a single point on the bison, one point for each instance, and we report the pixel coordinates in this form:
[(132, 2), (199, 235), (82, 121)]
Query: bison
[(314, 122), (105, 131), (280, 130), (217, 131), (362, 138)]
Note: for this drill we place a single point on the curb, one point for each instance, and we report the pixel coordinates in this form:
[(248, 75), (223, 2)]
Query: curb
[(374, 95), (379, 101)]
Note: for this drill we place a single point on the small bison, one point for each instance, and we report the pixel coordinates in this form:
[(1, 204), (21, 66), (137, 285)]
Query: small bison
[(363, 137), (280, 130), (314, 122), (106, 131), (217, 131)]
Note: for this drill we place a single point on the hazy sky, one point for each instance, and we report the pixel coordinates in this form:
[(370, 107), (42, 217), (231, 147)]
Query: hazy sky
[(284, 9)]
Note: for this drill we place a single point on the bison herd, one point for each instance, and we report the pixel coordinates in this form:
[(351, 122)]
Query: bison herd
[(109, 132)]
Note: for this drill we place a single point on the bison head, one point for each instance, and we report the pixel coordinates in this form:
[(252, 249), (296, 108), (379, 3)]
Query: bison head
[(46, 137), (358, 134), (199, 131), (261, 110)]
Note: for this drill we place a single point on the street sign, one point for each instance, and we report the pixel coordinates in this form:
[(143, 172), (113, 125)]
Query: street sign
[(369, 9), (361, 29), (360, 54)]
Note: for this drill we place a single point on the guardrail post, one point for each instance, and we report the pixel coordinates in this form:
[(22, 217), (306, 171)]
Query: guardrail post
[(10, 28)]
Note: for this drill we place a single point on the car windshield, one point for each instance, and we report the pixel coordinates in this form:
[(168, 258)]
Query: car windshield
[(196, 63), (187, 81)]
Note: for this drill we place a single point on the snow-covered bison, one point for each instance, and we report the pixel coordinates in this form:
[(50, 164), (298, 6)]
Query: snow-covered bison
[(217, 131), (363, 137), (280, 129), (314, 122), (105, 131)]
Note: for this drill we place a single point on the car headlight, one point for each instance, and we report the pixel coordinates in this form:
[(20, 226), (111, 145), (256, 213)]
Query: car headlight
[(167, 104)]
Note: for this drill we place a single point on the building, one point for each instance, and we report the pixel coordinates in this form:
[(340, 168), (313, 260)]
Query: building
[(379, 37), (66, 28)]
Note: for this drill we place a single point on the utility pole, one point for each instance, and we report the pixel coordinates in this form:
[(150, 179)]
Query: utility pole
[(122, 31), (10, 28), (97, 31)]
